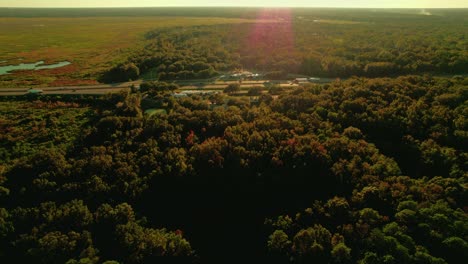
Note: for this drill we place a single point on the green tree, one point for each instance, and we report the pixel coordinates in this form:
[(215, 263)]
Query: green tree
[(313, 242), (279, 242), (143, 245), (455, 249), (232, 88), (255, 91), (341, 253)]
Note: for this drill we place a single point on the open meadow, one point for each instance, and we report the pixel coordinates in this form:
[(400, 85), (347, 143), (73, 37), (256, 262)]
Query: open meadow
[(91, 44)]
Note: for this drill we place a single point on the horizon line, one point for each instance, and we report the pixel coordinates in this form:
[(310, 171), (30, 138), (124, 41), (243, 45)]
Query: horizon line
[(225, 6)]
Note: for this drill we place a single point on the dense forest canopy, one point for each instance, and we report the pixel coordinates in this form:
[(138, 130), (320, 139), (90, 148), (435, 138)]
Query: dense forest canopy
[(309, 42), (356, 171)]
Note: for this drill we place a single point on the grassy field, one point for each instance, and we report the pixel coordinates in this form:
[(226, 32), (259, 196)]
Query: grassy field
[(91, 44)]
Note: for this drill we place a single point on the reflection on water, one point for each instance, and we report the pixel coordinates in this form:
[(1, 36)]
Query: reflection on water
[(31, 66)]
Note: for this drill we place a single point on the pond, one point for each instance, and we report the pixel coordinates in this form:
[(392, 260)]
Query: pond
[(32, 66)]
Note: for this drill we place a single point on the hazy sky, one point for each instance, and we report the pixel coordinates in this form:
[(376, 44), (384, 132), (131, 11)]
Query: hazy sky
[(310, 3)]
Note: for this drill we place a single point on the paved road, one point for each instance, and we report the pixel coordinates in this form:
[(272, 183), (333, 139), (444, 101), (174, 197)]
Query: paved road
[(112, 88), (89, 89)]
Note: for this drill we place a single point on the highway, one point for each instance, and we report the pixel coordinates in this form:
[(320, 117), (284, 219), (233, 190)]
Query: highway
[(89, 89), (112, 88)]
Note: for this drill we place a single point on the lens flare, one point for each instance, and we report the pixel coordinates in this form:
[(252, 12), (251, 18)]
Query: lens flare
[(271, 35)]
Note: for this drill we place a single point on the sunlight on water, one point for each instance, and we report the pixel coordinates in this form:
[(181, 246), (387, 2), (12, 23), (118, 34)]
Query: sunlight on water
[(31, 66)]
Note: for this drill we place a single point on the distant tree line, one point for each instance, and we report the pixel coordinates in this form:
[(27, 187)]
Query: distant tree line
[(373, 47)]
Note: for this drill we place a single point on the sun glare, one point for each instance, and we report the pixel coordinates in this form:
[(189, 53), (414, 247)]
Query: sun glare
[(272, 31), (261, 3)]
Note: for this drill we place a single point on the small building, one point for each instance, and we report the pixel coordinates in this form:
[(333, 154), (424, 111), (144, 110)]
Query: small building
[(301, 80), (180, 95), (314, 80), (155, 111)]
